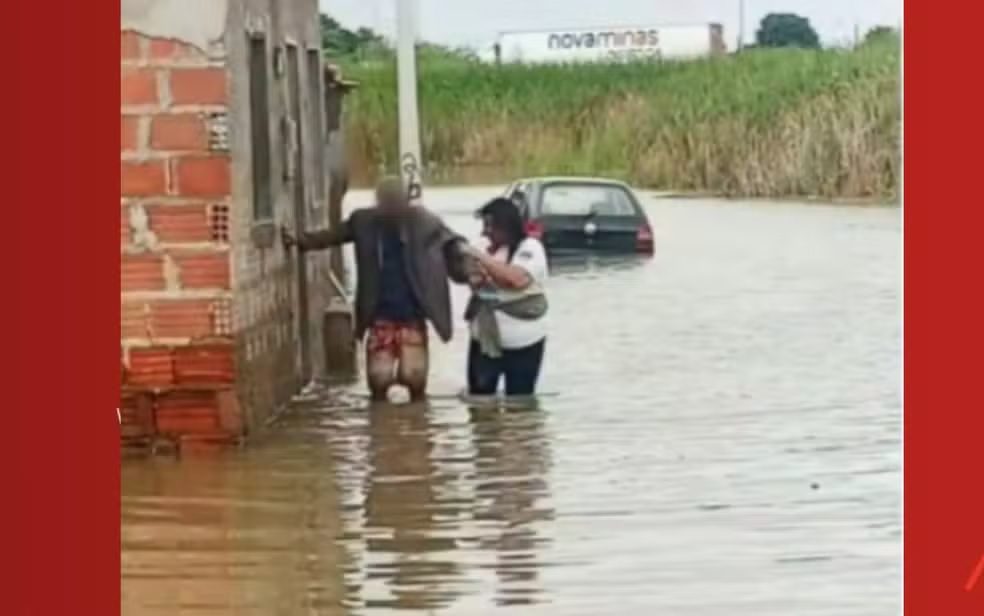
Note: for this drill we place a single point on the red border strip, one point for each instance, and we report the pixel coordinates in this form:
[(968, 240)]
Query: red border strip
[(61, 505), (944, 310)]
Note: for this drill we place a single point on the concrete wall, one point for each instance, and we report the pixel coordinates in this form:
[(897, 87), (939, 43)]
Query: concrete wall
[(268, 316), (211, 303)]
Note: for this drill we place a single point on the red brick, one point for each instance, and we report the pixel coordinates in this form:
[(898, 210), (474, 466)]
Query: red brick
[(188, 412), (198, 86), (202, 176), (166, 318), (129, 133), (168, 49), (184, 131), (151, 367), (124, 226), (134, 320), (138, 86), (181, 318), (230, 412), (129, 45), (210, 363), (142, 273), (142, 179), (137, 413), (181, 223), (203, 270), (182, 422)]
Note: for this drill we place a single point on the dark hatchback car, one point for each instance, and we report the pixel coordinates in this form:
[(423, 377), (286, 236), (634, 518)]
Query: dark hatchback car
[(583, 215)]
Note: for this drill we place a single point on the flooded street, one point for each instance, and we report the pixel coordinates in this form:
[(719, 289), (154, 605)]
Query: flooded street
[(719, 435)]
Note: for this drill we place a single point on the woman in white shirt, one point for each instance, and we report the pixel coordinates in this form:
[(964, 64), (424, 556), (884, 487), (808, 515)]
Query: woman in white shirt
[(507, 314)]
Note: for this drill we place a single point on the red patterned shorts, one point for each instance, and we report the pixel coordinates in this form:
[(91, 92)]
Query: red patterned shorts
[(389, 338)]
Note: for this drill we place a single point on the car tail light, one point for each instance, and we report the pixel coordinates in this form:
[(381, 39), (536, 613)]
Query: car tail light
[(644, 239), (534, 229)]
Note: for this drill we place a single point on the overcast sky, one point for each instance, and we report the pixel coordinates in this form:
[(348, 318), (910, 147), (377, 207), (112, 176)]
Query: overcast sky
[(475, 23)]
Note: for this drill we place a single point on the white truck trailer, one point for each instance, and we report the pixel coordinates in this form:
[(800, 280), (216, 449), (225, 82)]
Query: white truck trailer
[(610, 44)]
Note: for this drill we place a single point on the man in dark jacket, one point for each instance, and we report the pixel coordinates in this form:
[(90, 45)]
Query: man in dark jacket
[(404, 257)]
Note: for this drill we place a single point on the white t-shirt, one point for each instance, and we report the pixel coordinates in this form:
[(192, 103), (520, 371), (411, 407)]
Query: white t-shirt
[(519, 333)]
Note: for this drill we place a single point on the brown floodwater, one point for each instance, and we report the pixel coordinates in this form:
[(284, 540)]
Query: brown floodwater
[(720, 434)]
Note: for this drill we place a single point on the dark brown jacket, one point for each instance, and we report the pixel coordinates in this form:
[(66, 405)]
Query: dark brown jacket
[(432, 255)]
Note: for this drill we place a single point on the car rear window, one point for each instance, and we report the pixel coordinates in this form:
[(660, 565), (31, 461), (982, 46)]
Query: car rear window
[(584, 199)]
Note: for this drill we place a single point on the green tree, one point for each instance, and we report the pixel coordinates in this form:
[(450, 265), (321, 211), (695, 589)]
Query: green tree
[(337, 40), (367, 45), (879, 34), (368, 38), (786, 30)]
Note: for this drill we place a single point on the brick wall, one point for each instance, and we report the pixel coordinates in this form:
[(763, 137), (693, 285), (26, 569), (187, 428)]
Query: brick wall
[(175, 188), (203, 280)]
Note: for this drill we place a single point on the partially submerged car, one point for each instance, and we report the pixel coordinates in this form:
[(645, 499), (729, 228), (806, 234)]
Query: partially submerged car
[(570, 214)]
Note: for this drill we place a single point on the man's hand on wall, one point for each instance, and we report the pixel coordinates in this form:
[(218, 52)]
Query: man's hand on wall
[(287, 237)]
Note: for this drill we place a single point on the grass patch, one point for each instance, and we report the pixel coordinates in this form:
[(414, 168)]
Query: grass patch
[(764, 123)]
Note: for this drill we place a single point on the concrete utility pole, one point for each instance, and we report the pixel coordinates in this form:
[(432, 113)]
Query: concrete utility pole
[(406, 68), (741, 25)]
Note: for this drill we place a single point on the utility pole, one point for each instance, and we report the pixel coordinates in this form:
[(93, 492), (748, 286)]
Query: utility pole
[(406, 69), (741, 25)]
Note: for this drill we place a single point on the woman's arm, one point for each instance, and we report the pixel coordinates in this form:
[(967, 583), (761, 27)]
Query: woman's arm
[(504, 275)]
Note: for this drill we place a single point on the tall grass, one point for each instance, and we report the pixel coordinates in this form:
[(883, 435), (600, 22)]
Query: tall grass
[(765, 123)]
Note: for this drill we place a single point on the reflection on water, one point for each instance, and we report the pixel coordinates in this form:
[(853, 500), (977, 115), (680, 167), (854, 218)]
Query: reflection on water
[(439, 493), (249, 533), (722, 437), (512, 460), (408, 498), (567, 264)]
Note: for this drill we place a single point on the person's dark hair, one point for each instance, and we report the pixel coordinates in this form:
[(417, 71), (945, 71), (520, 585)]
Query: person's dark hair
[(504, 216)]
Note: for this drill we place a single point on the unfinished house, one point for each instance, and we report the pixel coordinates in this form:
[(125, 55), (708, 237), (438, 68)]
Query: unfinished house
[(224, 138)]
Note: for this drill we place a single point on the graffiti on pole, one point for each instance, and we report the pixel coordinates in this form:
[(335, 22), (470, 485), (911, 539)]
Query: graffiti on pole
[(411, 174)]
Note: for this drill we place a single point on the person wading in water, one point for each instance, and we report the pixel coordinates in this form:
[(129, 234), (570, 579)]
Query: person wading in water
[(507, 311), (404, 257)]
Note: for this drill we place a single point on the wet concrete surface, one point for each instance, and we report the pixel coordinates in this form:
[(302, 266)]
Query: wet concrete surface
[(722, 436)]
